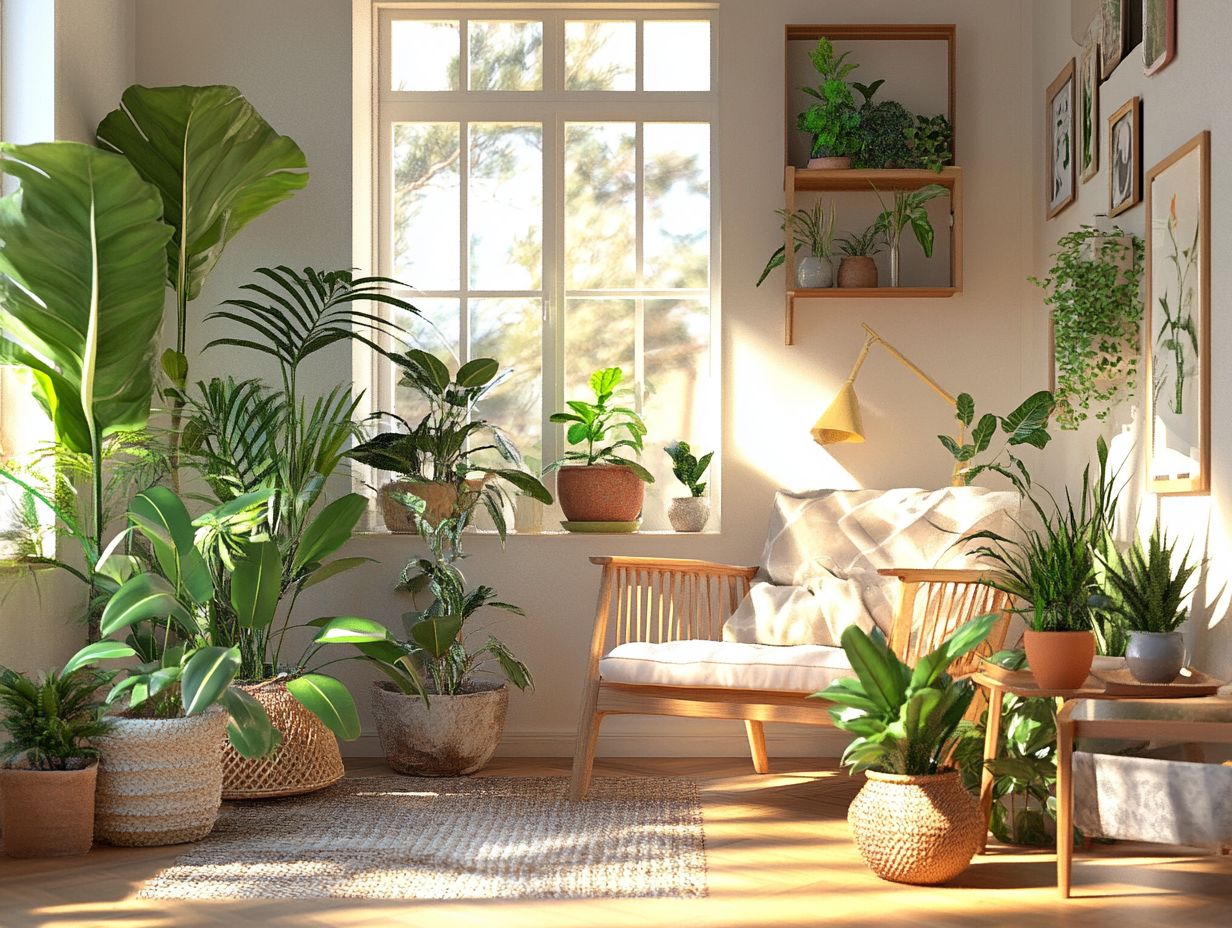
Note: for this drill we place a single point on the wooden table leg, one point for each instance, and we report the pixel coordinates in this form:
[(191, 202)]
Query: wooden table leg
[(992, 740), (1065, 800)]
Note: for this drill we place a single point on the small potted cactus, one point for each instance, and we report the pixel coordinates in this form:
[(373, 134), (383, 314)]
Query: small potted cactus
[(689, 513)]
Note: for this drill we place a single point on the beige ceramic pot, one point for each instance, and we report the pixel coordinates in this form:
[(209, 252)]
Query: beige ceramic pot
[(440, 499), (307, 760), (47, 813), (599, 493), (451, 736), (857, 271), (829, 164), (160, 780), (1059, 660), (919, 830), (689, 513)]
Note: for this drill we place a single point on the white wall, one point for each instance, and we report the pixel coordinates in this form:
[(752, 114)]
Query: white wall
[(1177, 103)]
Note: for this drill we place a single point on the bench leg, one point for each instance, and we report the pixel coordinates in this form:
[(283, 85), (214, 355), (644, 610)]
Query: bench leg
[(584, 755), (757, 745)]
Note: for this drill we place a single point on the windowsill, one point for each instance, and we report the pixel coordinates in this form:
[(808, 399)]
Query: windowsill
[(557, 533)]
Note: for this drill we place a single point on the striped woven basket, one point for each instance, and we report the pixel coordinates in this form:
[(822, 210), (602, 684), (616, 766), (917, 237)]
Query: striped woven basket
[(307, 760), (160, 780)]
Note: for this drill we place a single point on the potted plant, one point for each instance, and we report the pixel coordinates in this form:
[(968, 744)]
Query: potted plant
[(811, 229), (1093, 291), (439, 459), (908, 210), (688, 513), (883, 130), (834, 120), (599, 483), (913, 821), (47, 778), (442, 710), (929, 141), (1145, 590), (857, 267)]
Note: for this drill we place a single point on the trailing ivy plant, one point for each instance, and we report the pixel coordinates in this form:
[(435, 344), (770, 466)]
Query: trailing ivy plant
[(929, 141), (1096, 318)]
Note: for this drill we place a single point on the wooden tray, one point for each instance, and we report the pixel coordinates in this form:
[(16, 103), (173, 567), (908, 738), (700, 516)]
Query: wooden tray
[(1121, 682)]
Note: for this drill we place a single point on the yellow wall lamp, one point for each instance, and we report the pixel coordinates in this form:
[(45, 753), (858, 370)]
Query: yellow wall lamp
[(841, 421)]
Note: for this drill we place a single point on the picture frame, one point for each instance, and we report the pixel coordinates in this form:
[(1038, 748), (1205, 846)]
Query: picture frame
[(1088, 108), (1178, 320), (1061, 151), (1125, 157), (1112, 36), (1158, 34)]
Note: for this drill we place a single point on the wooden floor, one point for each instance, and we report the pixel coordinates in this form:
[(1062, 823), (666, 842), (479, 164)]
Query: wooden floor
[(779, 854)]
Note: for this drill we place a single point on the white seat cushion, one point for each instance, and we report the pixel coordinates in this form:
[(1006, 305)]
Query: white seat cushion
[(795, 669)]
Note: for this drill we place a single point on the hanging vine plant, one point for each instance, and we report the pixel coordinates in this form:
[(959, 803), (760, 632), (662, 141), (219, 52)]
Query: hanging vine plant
[(1094, 289)]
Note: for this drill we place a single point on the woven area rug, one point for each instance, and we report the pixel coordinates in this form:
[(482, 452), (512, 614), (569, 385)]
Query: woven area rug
[(465, 838)]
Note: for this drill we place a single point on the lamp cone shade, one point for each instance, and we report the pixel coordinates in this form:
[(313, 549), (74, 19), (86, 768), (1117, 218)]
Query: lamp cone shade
[(841, 420)]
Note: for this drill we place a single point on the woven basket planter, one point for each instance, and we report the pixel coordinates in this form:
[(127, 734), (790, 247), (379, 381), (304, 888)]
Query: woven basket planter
[(307, 760), (919, 830), (160, 780)]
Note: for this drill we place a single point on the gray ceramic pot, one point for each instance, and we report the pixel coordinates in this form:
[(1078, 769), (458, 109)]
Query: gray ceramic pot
[(814, 273), (689, 513), (452, 736), (1155, 657)]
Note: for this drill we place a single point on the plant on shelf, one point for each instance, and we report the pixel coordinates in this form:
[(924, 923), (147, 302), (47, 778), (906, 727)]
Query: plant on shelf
[(883, 130), (857, 267), (1145, 589), (833, 121), (908, 211), (217, 165), (1096, 311), (812, 230), (48, 765), (601, 482), (929, 142), (441, 459), (688, 513), (905, 721), (1026, 425)]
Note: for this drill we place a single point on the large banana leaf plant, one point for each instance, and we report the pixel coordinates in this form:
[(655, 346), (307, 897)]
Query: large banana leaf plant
[(905, 719), (81, 294)]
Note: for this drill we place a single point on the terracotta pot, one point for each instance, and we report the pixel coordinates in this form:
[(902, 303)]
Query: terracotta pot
[(451, 736), (47, 813), (599, 493), (307, 760), (440, 497), (160, 780), (857, 271), (1059, 660), (689, 513), (829, 164), (1155, 657), (919, 830)]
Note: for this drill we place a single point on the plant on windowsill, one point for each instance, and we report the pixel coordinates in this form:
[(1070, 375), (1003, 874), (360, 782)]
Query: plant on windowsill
[(439, 459), (601, 484), (913, 821), (49, 769), (908, 211), (1145, 590), (857, 267), (834, 121), (929, 143), (688, 513), (811, 229), (1096, 309), (442, 711)]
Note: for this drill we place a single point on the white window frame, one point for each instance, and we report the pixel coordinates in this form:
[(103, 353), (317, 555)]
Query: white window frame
[(376, 108)]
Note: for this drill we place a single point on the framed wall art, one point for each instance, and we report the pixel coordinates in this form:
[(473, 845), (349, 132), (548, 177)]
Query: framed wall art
[(1125, 157), (1158, 34), (1112, 36), (1061, 153), (1178, 206), (1088, 107)]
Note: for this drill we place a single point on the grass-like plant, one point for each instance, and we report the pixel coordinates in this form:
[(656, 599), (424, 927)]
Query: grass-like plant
[(1146, 587), (810, 228), (52, 720), (862, 244)]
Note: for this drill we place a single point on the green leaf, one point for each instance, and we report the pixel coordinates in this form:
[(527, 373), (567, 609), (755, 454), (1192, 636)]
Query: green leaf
[(81, 286), (206, 676), (525, 483), (436, 635), (606, 380), (982, 434), (332, 569), (876, 666), (329, 531), (477, 372), (175, 366), (1030, 416), (965, 408), (216, 162), (250, 730), (328, 700), (642, 473), (163, 519), (256, 584), (967, 637), (145, 596), (432, 367), (350, 629), (99, 651)]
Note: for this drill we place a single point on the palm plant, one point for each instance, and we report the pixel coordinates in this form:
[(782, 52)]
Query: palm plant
[(52, 720), (1145, 589), (905, 719)]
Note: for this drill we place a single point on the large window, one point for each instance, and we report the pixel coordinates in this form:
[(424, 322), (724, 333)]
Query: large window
[(544, 183)]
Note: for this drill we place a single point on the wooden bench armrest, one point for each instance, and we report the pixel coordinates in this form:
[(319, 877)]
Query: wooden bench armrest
[(936, 574), (676, 565)]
